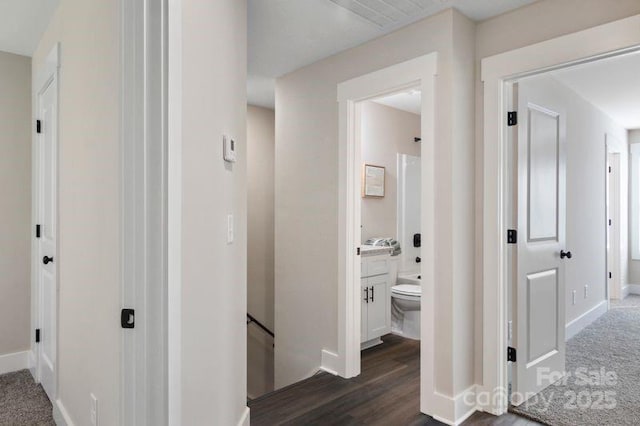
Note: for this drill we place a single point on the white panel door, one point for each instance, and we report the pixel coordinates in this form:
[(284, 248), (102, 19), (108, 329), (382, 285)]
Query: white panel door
[(46, 253), (378, 311), (540, 301)]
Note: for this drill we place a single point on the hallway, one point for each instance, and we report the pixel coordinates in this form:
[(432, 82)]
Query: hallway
[(386, 393)]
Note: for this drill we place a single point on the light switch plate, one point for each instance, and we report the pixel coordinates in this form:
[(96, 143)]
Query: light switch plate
[(230, 233), (229, 149)]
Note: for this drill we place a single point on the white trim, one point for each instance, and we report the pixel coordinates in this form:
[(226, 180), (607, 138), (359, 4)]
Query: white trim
[(625, 291), (607, 40), (420, 72), (143, 203), (245, 420), (634, 180), (60, 415), (15, 362), (459, 408), (633, 289), (32, 363), (174, 211), (577, 325), (330, 362)]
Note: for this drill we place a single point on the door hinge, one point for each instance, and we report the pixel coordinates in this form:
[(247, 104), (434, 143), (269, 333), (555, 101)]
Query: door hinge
[(37, 231), (512, 118), (38, 126), (511, 354), (128, 318), (512, 236), (609, 222), (358, 251), (610, 275), (609, 169), (37, 335)]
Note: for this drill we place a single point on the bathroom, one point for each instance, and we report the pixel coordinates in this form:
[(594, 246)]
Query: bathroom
[(390, 218)]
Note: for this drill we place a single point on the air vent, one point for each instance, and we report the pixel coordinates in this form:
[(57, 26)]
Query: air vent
[(390, 13)]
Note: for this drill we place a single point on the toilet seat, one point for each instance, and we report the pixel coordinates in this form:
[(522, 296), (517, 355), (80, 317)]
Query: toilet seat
[(411, 290)]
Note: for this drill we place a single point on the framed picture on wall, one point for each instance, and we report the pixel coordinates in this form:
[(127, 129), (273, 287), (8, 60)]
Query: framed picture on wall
[(373, 181)]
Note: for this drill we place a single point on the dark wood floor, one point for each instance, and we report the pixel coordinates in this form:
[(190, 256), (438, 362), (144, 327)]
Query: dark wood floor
[(386, 393)]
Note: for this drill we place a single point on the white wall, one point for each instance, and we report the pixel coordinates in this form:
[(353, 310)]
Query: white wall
[(260, 246), (307, 198), (386, 132), (89, 339), (542, 20), (634, 265), (586, 196), (15, 193), (214, 273)]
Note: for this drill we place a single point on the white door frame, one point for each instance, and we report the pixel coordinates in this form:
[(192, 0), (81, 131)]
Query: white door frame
[(48, 74), (174, 211), (144, 392), (603, 41), (419, 72)]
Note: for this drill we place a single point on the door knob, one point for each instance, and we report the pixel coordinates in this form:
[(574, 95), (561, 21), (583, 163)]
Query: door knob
[(47, 259), (564, 254)]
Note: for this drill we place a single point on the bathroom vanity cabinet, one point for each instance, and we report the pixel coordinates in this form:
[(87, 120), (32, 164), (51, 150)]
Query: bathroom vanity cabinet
[(376, 299)]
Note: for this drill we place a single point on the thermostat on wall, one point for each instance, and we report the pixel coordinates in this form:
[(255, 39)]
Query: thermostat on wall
[(229, 149)]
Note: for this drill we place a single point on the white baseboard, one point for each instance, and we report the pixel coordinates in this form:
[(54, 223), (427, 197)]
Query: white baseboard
[(14, 362), (634, 288), (245, 420), (454, 411), (60, 415), (576, 326), (625, 291), (330, 362)]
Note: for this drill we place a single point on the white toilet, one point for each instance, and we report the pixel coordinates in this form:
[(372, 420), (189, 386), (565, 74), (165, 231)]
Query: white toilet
[(405, 306)]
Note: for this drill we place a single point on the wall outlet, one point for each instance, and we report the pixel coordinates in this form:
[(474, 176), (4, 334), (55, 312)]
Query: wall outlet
[(586, 291), (573, 296), (94, 410)]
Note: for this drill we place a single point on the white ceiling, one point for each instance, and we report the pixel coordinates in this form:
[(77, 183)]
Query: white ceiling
[(285, 35), (409, 101), (22, 23), (613, 85)]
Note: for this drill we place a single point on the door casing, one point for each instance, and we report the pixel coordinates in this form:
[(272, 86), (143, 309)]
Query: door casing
[(497, 73), (419, 72), (144, 248)]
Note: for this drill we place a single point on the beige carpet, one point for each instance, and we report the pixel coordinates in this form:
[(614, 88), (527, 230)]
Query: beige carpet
[(603, 385), (23, 402)]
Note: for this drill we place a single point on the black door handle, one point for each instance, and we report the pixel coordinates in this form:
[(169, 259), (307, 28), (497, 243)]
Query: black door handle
[(564, 254), (47, 259), (366, 290), (371, 294)]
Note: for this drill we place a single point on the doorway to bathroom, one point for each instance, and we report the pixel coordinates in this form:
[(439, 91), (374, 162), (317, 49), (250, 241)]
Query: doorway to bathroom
[(390, 217), (387, 187)]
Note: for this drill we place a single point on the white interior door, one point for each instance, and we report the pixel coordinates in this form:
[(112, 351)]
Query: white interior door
[(613, 229), (46, 253), (540, 300)]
